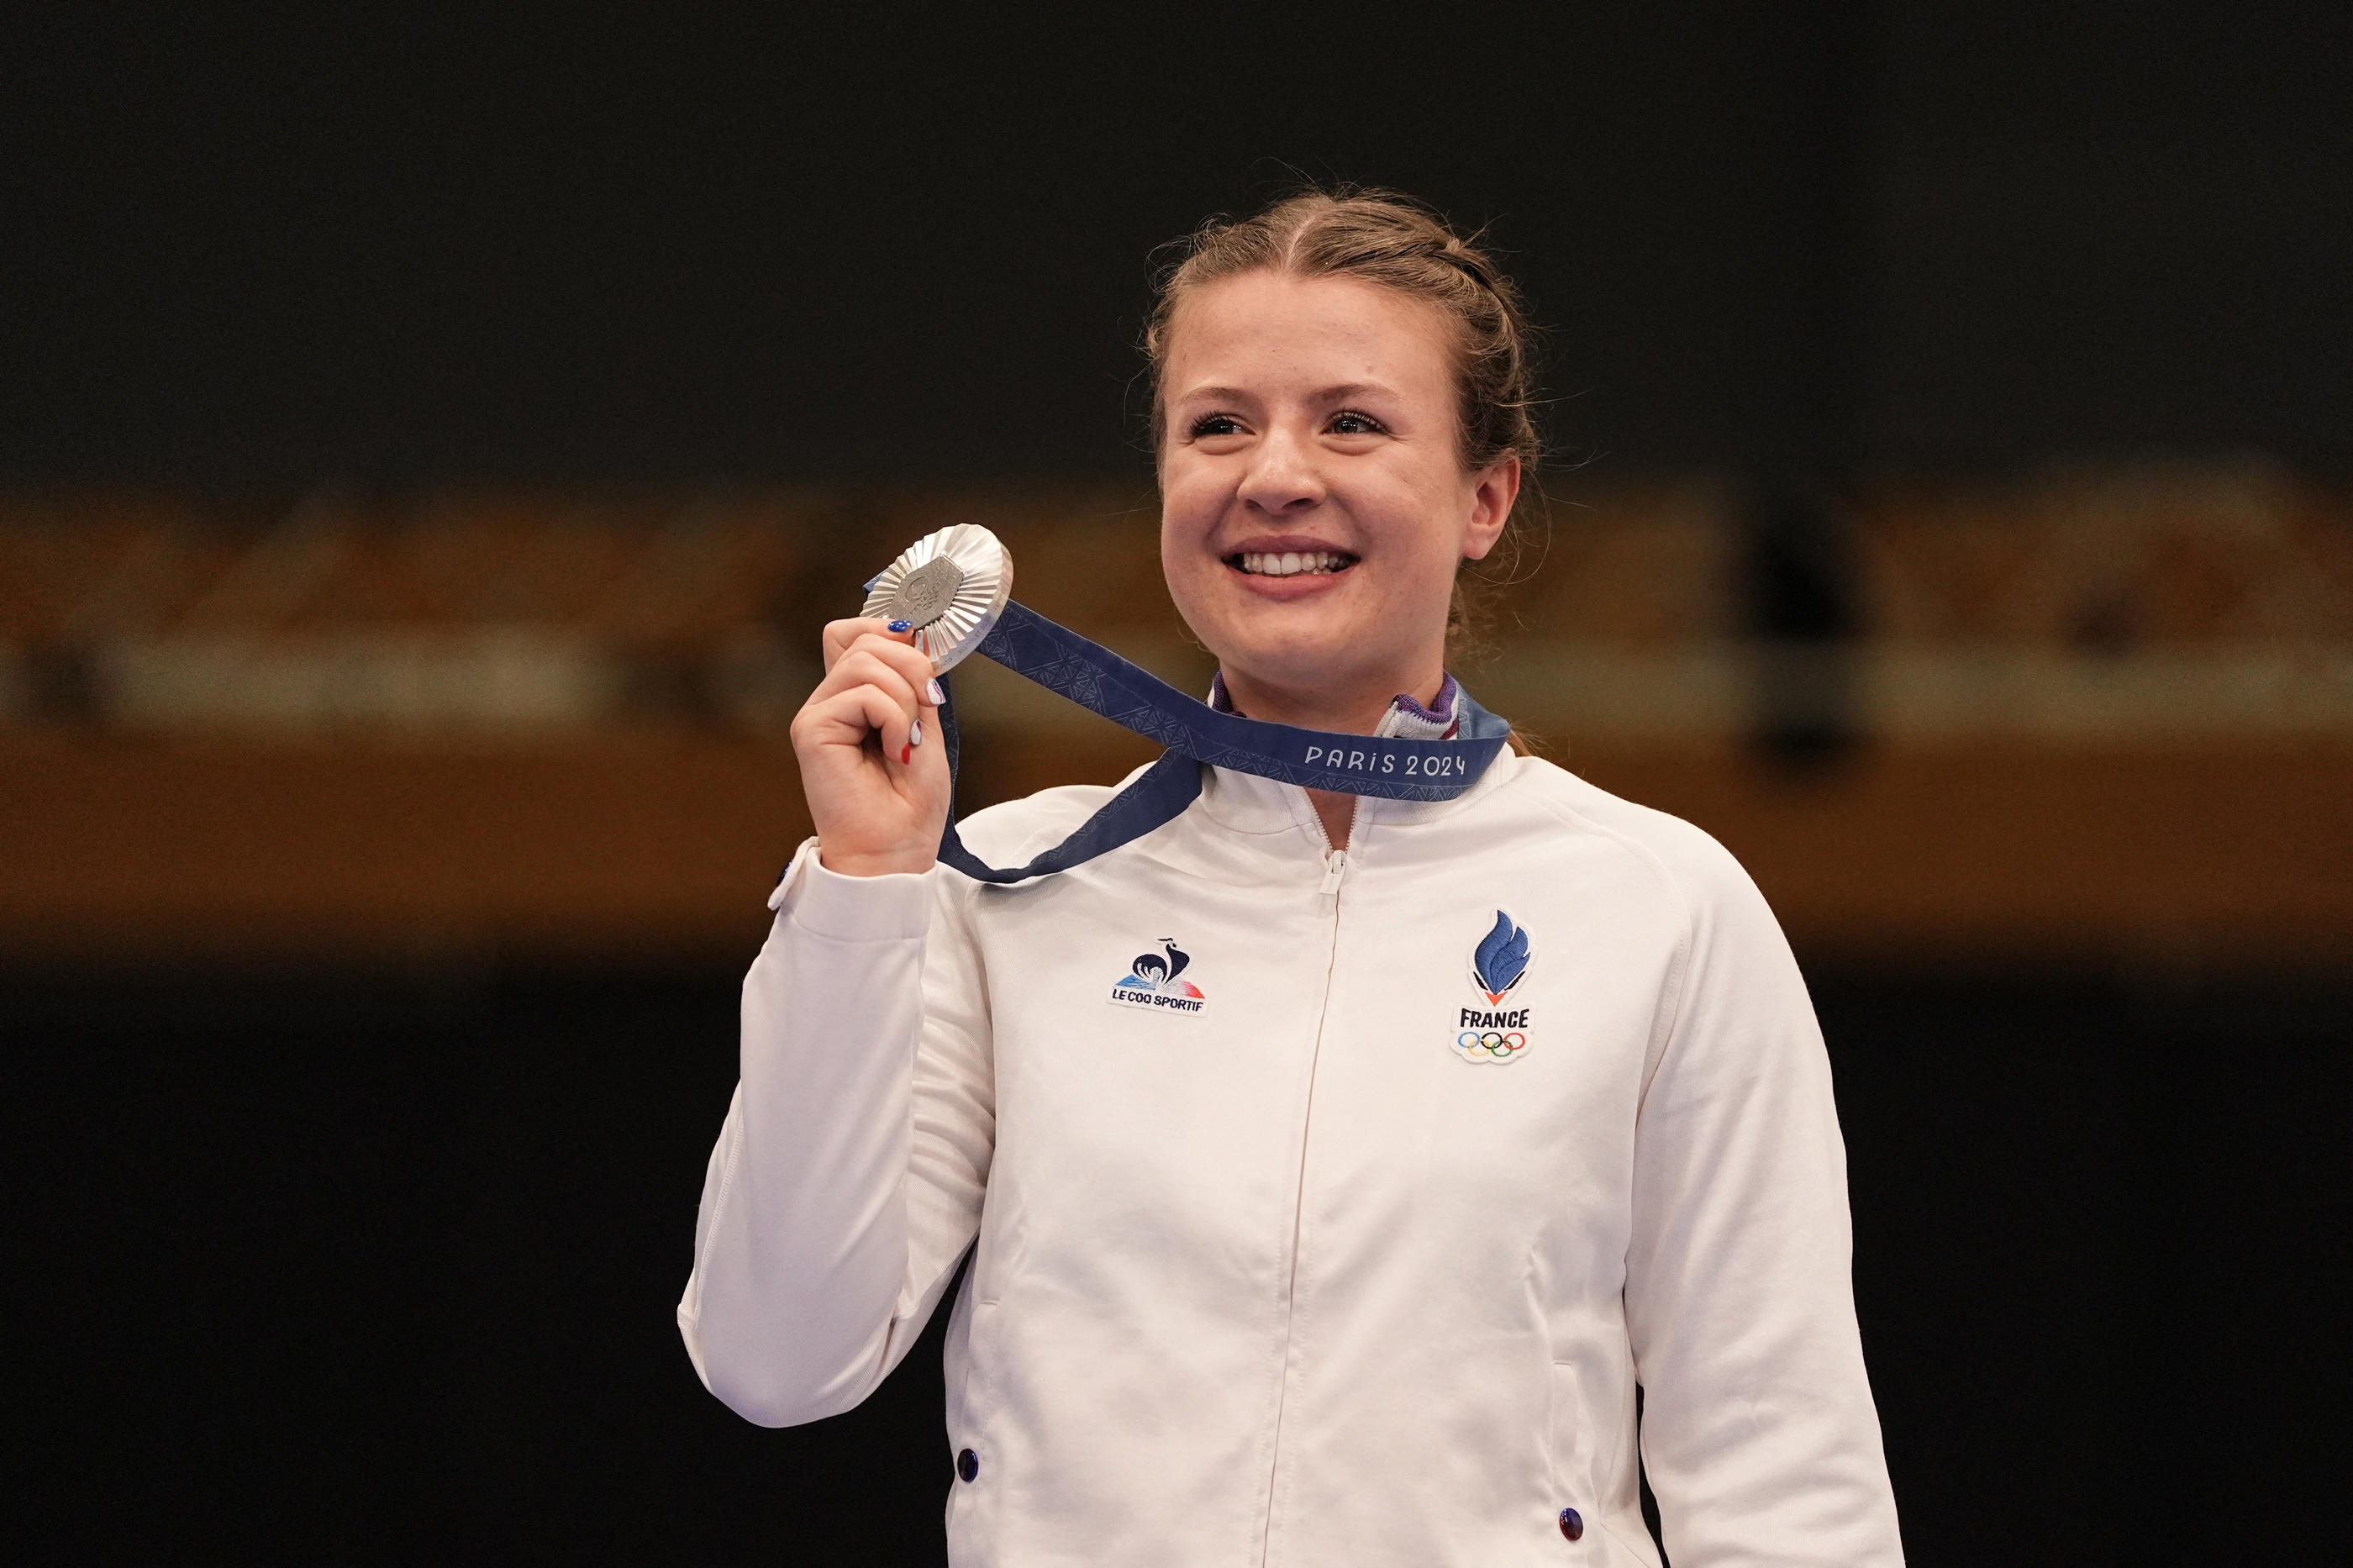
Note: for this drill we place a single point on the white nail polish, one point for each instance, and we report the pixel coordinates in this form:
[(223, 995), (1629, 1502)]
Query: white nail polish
[(915, 733), (931, 689)]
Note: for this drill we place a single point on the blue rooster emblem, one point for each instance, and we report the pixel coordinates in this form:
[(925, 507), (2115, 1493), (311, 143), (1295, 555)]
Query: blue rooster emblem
[(1500, 959)]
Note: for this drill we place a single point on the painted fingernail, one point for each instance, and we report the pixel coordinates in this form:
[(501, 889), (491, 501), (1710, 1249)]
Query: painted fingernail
[(903, 625), (931, 689), (906, 755), (915, 733)]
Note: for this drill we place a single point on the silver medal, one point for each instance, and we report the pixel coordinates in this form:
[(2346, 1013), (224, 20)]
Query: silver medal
[(951, 587)]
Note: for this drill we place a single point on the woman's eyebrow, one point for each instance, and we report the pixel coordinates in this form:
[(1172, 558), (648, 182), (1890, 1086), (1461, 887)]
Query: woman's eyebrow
[(1213, 394), (1343, 392)]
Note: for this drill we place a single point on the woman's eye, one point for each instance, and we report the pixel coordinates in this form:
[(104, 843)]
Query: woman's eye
[(1215, 425), (1348, 422)]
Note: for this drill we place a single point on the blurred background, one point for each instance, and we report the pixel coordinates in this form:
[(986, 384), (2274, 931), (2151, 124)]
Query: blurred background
[(430, 442)]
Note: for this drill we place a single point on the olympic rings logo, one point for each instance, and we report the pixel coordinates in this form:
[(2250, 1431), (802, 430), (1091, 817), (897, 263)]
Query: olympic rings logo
[(1490, 1045)]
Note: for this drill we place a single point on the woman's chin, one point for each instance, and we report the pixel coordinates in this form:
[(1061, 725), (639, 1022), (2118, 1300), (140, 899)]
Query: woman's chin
[(1309, 633), (1301, 660)]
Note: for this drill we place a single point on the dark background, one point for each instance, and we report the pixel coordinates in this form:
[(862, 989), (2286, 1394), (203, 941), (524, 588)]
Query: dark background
[(362, 1264), (394, 245), (381, 1267)]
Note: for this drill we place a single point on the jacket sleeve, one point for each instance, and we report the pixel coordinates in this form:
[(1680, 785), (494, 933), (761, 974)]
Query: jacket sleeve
[(847, 1178), (1759, 1429)]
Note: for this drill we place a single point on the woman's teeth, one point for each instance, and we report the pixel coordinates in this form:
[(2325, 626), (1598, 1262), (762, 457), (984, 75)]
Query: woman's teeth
[(1291, 563)]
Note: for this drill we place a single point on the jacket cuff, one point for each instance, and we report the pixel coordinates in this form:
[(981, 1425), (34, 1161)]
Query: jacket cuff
[(889, 908)]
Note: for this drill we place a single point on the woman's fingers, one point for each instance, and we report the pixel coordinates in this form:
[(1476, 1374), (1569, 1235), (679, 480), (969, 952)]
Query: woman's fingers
[(912, 664), (898, 673), (839, 635), (865, 631), (878, 807), (898, 678), (843, 638), (867, 667), (845, 718)]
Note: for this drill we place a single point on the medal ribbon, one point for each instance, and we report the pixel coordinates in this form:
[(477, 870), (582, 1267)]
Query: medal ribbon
[(1099, 680)]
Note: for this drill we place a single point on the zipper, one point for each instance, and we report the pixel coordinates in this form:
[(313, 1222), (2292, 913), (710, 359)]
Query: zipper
[(1336, 861), (1335, 867)]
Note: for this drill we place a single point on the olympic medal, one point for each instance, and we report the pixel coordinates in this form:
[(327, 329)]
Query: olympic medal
[(951, 587)]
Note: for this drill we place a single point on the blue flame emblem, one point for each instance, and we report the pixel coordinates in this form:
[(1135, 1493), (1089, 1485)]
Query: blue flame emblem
[(1500, 959)]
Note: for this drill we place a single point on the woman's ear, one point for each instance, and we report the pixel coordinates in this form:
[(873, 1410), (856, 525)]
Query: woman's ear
[(1492, 490)]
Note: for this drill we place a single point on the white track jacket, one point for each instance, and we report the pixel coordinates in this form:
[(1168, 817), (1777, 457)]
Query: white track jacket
[(1305, 1235)]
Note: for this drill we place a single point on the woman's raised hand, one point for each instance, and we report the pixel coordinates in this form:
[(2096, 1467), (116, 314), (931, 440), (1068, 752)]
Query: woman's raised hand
[(873, 766)]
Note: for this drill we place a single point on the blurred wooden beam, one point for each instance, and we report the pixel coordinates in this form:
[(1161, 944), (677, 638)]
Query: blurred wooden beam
[(2013, 853), (658, 845), (663, 844)]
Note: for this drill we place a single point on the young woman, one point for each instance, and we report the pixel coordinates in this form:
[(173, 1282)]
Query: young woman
[(1489, 1110)]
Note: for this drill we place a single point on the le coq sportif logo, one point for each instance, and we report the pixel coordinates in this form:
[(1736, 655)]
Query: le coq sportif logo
[(1499, 962), (1156, 981)]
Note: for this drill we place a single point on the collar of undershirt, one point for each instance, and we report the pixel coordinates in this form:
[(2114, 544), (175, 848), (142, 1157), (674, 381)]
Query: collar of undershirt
[(1406, 720)]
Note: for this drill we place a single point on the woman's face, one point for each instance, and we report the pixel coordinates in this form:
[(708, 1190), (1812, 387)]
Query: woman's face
[(1314, 502)]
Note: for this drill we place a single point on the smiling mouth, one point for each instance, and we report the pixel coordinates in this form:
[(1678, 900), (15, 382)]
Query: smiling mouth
[(1290, 562)]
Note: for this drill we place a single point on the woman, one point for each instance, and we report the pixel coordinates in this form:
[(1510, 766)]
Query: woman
[(1490, 1109)]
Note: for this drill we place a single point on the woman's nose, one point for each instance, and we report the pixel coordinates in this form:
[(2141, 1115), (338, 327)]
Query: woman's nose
[(1283, 475)]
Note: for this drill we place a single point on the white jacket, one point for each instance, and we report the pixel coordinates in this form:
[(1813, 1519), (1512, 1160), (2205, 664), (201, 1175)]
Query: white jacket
[(1290, 1262)]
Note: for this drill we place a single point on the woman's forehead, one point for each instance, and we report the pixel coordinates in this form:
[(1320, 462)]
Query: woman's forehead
[(1263, 325)]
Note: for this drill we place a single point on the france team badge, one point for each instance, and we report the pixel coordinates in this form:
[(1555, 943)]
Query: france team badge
[(1499, 962)]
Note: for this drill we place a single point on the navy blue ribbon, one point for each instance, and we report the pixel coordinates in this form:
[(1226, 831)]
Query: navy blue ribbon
[(1099, 680)]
